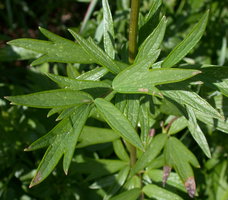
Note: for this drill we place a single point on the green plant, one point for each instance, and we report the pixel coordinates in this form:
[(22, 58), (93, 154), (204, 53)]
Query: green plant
[(131, 98)]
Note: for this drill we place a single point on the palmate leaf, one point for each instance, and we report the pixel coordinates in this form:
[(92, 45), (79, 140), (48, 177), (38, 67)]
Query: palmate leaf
[(52, 98), (139, 79), (118, 122), (61, 140), (182, 49), (58, 49), (76, 84), (97, 53)]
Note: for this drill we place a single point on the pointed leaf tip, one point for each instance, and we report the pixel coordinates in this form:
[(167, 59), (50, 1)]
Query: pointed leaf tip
[(196, 72), (36, 180), (190, 186), (26, 149)]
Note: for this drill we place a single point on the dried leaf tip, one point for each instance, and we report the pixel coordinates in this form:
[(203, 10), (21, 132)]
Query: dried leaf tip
[(196, 72), (152, 132), (66, 172), (26, 149), (190, 186), (37, 179), (166, 172)]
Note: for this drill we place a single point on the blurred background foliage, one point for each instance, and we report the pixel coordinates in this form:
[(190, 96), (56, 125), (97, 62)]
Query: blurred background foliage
[(20, 126)]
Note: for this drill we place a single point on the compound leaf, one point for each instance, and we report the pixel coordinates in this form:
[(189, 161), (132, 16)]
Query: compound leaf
[(62, 140), (58, 49)]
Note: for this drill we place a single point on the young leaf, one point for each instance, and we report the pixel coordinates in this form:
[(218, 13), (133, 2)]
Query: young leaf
[(52, 98), (118, 122), (62, 140), (75, 84), (196, 132), (151, 152), (138, 79), (156, 192), (182, 49), (152, 42), (93, 135), (98, 54), (58, 49), (129, 195), (108, 30)]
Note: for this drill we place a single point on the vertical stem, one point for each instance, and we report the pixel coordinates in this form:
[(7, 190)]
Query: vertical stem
[(133, 30), (132, 155), (133, 33), (133, 48)]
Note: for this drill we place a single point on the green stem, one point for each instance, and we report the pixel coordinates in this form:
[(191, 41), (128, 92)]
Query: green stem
[(133, 49), (133, 33), (133, 30)]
